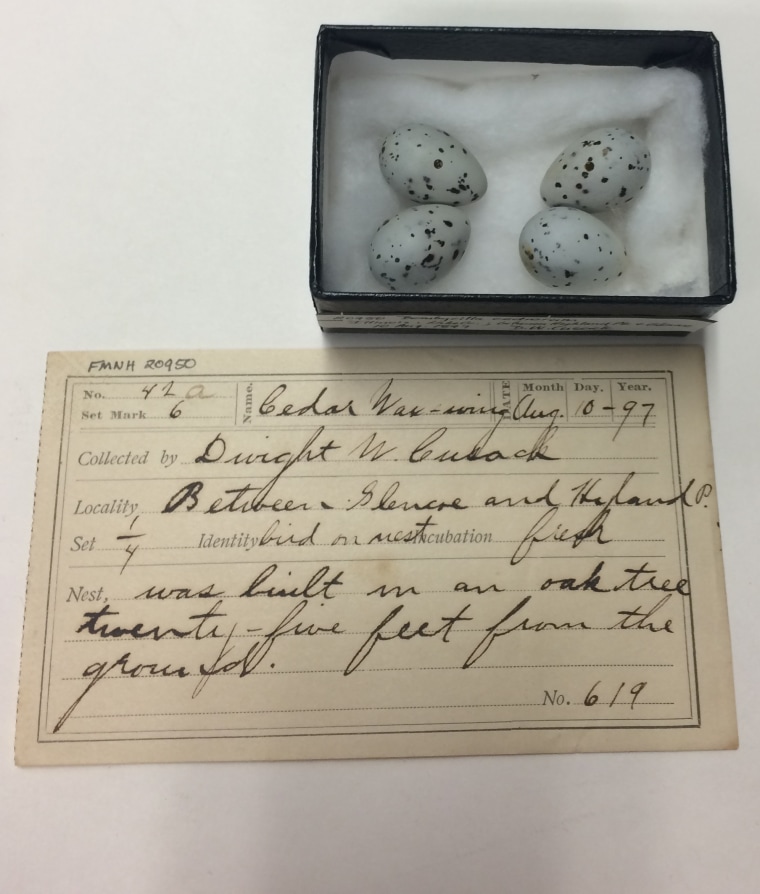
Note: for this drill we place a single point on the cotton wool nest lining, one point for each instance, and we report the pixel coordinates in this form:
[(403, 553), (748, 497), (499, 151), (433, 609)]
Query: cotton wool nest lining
[(516, 118)]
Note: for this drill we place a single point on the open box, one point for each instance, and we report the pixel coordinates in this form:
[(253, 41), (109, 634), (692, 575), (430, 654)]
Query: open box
[(516, 97)]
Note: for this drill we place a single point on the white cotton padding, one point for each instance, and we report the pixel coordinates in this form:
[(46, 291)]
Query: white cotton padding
[(516, 118)]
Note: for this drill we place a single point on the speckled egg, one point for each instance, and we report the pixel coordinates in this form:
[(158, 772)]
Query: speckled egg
[(605, 168), (418, 245), (427, 165), (568, 248)]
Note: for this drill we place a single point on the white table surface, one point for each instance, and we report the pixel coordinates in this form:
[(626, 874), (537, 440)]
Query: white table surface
[(154, 192)]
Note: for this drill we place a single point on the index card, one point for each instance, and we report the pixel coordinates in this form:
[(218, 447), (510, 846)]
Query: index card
[(377, 553)]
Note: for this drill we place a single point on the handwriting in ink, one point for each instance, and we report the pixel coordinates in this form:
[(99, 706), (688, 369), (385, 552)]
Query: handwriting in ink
[(419, 455), (641, 578), (161, 593), (418, 533), (100, 623), (586, 493), (525, 408), (628, 408), (319, 585), (393, 590), (100, 669), (387, 501), (466, 587), (547, 498), (314, 407), (407, 631), (253, 499), (546, 529), (243, 666), (130, 548), (641, 619), (385, 403), (372, 448), (216, 451), (478, 452), (592, 698), (503, 627), (193, 392)]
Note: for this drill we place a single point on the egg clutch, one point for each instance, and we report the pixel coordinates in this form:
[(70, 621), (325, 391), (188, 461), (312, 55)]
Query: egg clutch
[(563, 246)]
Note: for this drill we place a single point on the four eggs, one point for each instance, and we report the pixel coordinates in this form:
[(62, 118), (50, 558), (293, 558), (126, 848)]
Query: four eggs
[(563, 246)]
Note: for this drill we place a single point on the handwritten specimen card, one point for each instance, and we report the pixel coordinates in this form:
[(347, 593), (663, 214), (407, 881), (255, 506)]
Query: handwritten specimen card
[(278, 555)]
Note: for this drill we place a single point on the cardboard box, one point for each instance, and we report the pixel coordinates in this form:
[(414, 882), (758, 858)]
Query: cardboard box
[(454, 73)]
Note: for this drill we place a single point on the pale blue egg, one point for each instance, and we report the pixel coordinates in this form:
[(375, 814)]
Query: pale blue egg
[(418, 245), (571, 249), (603, 169), (427, 165)]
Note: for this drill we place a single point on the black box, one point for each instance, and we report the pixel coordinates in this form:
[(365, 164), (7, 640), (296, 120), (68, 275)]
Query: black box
[(695, 52)]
